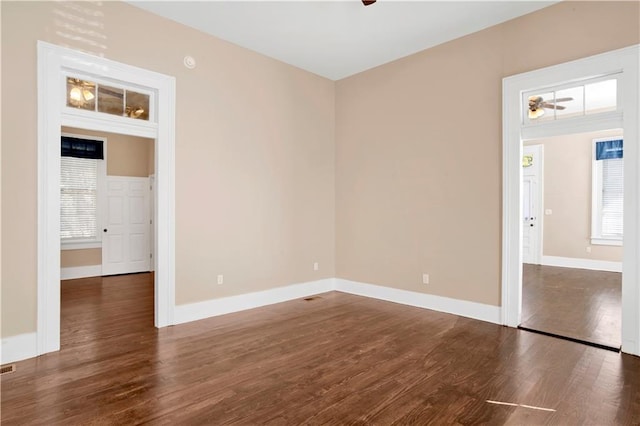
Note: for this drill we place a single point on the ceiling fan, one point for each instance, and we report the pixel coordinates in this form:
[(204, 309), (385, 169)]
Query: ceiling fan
[(80, 91), (537, 105)]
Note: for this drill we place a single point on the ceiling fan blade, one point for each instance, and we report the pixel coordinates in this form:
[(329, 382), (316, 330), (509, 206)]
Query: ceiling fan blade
[(551, 106), (564, 99), (368, 2)]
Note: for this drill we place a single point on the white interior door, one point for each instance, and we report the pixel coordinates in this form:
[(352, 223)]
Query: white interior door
[(125, 237), (532, 204)]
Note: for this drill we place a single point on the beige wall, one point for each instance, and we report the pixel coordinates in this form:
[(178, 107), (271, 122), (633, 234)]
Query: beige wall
[(567, 193), (418, 150), (126, 156), (151, 158), (254, 154), (129, 156), (86, 257)]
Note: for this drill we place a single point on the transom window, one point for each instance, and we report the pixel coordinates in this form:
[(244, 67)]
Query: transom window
[(94, 96), (593, 96)]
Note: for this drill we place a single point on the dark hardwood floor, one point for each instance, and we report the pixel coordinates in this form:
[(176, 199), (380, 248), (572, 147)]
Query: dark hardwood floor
[(576, 303), (337, 359)]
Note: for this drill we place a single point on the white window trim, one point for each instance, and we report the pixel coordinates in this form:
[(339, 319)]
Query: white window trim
[(596, 199), (89, 243), (80, 244), (606, 241)]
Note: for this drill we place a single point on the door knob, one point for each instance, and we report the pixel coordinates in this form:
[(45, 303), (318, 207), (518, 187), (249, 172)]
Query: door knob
[(104, 230)]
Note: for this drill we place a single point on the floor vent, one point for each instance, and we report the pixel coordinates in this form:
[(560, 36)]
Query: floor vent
[(6, 369), (309, 299)]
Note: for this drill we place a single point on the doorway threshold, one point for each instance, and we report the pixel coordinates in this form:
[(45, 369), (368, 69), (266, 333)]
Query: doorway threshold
[(572, 339)]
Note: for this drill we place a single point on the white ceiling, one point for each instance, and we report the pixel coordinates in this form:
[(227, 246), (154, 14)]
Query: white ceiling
[(336, 39)]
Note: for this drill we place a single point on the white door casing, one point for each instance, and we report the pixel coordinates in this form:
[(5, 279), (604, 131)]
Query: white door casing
[(152, 227), (532, 206), (54, 62), (125, 238), (626, 63)]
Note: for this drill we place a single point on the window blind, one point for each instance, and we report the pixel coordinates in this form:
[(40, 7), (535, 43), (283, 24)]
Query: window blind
[(78, 198), (612, 196)]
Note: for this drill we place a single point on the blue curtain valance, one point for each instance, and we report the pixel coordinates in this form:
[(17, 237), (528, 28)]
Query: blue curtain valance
[(606, 150), (82, 148)]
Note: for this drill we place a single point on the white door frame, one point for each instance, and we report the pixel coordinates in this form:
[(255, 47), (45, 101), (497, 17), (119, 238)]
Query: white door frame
[(53, 63), (538, 166), (624, 61), (152, 226)]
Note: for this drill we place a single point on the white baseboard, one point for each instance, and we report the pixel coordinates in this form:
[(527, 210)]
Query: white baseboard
[(24, 346), (570, 262), (17, 348), (462, 308), (226, 305), (630, 347), (80, 272)]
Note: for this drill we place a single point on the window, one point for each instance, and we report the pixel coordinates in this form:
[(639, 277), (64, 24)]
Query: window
[(608, 192), (82, 172), (593, 96), (94, 96)]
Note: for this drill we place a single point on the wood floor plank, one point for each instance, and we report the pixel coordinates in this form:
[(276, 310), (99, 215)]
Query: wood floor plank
[(576, 303), (339, 359)]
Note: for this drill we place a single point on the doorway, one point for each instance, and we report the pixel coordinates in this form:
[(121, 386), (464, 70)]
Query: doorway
[(106, 225), (105, 234), (55, 64), (573, 290), (623, 65)]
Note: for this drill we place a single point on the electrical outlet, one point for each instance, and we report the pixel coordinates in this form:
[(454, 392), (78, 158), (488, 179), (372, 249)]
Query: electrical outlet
[(220, 279), (588, 249), (315, 266), (425, 278)]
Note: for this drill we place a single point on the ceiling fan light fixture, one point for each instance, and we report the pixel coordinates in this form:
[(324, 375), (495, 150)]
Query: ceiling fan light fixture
[(75, 94), (87, 95), (134, 112), (536, 113)]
